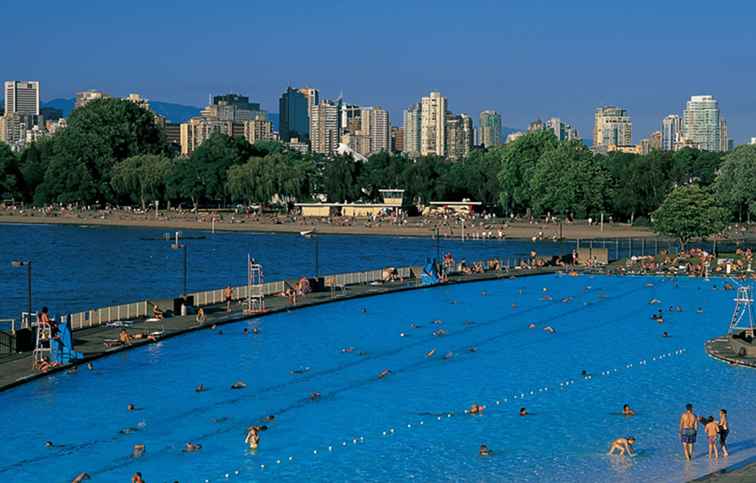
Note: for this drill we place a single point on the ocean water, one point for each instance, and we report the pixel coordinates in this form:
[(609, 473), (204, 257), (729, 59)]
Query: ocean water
[(410, 425)]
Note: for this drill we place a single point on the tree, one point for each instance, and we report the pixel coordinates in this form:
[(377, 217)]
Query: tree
[(638, 183), (66, 182), (688, 212), (33, 165), (10, 176), (518, 159), (340, 179), (735, 185), (142, 177), (568, 179)]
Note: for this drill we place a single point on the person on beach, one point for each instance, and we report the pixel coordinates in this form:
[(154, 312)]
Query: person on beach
[(688, 431), (228, 293), (724, 430), (712, 431), (156, 312), (627, 410), (622, 445)]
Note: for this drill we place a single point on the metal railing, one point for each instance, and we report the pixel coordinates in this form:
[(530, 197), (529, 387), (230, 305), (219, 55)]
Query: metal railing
[(106, 315), (8, 325)]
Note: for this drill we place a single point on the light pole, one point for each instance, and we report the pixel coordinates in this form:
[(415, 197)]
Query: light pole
[(314, 235), (177, 245), (28, 265)]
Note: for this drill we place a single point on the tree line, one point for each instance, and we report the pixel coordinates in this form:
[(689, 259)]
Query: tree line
[(112, 152)]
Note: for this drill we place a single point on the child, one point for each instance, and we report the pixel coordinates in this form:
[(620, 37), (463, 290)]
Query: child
[(712, 430), (623, 444)]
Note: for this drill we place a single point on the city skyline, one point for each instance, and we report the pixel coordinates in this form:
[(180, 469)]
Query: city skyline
[(376, 71)]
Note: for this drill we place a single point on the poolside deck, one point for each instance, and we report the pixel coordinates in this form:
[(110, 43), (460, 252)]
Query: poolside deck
[(16, 369), (721, 349)]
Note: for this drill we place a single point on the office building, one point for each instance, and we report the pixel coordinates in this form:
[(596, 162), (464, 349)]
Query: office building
[(257, 130), (325, 128), (490, 128), (198, 129), (412, 129), (397, 139), (701, 123), (312, 95), (536, 125), (459, 136), (232, 107), (13, 131), (85, 97), (433, 125), (22, 97), (351, 118), (562, 130), (294, 116), (612, 125), (671, 132), (724, 135)]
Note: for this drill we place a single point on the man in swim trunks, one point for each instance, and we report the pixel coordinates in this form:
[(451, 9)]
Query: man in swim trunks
[(228, 293), (688, 431)]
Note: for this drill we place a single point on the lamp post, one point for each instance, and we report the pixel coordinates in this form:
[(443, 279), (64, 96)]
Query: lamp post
[(28, 265), (177, 245)]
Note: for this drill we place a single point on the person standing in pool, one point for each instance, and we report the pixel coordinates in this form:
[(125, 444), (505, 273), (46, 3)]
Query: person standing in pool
[(724, 430), (688, 431), (712, 431), (253, 437)]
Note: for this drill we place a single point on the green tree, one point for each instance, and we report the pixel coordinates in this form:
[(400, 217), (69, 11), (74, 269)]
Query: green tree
[(66, 182), (568, 179), (423, 179), (735, 185), (382, 171), (518, 160), (10, 176), (638, 183), (691, 166), (142, 177), (340, 179), (687, 213), (33, 165)]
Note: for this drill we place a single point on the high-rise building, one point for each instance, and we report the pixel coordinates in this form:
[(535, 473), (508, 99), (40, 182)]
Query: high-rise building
[(671, 132), (22, 97), (459, 136), (753, 140), (198, 129), (294, 117), (724, 135), (536, 125), (351, 118), (375, 124), (701, 122), (655, 140), (13, 131), (412, 129), (258, 130), (85, 97), (325, 132), (490, 128), (312, 95), (397, 139), (433, 125), (232, 107), (612, 125), (562, 130)]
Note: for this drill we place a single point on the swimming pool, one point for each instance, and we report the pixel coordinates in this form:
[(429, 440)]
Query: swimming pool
[(411, 424)]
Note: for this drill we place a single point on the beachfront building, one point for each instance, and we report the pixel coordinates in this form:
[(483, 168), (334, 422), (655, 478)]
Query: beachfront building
[(412, 130), (701, 122), (612, 126), (325, 128), (454, 208), (490, 128), (433, 125), (393, 200)]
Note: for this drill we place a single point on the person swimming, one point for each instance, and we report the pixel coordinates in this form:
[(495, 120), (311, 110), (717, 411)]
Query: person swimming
[(523, 412), (301, 370), (238, 385), (476, 409), (627, 410), (81, 477), (439, 332), (245, 331), (622, 445), (314, 396), (438, 321), (128, 430), (347, 350), (90, 366), (549, 329), (430, 353), (585, 373), (255, 331), (253, 437), (138, 450), (665, 334), (190, 447), (200, 388), (384, 373), (268, 419), (448, 355), (531, 325), (49, 444), (485, 451), (472, 349), (131, 407)]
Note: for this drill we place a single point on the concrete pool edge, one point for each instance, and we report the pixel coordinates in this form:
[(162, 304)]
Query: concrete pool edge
[(736, 473), (187, 324)]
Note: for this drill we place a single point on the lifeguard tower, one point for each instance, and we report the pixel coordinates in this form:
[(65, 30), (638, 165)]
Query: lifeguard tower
[(255, 302)]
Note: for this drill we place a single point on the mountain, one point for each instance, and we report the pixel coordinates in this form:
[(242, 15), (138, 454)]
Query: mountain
[(177, 113), (506, 131), (65, 105)]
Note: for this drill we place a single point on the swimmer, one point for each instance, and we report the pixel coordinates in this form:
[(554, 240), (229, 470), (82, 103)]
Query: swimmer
[(699, 310), (131, 407), (523, 412), (255, 331), (484, 450), (137, 478), (439, 332), (531, 325), (384, 373), (220, 332), (200, 388), (472, 349), (627, 410), (514, 306), (128, 430), (314, 396), (438, 321), (402, 334), (49, 444), (430, 353), (654, 301), (414, 326), (90, 366), (623, 445), (238, 385), (448, 355), (549, 329), (245, 331), (364, 310), (80, 477), (347, 350), (72, 370), (301, 370), (476, 409), (212, 327), (585, 373), (268, 419), (138, 450), (665, 334), (253, 437), (190, 447)]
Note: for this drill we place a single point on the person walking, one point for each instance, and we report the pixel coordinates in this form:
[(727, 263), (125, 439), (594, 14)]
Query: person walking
[(724, 430), (688, 431)]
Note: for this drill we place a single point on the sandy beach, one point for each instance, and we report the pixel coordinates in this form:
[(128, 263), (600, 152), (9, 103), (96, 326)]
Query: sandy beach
[(414, 227)]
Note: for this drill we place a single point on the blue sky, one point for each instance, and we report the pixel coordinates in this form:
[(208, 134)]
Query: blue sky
[(525, 59)]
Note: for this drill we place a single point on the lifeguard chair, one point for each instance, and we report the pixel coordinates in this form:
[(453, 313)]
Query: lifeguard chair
[(255, 302)]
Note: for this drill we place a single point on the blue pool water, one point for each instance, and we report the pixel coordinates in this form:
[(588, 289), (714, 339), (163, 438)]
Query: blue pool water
[(603, 328)]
